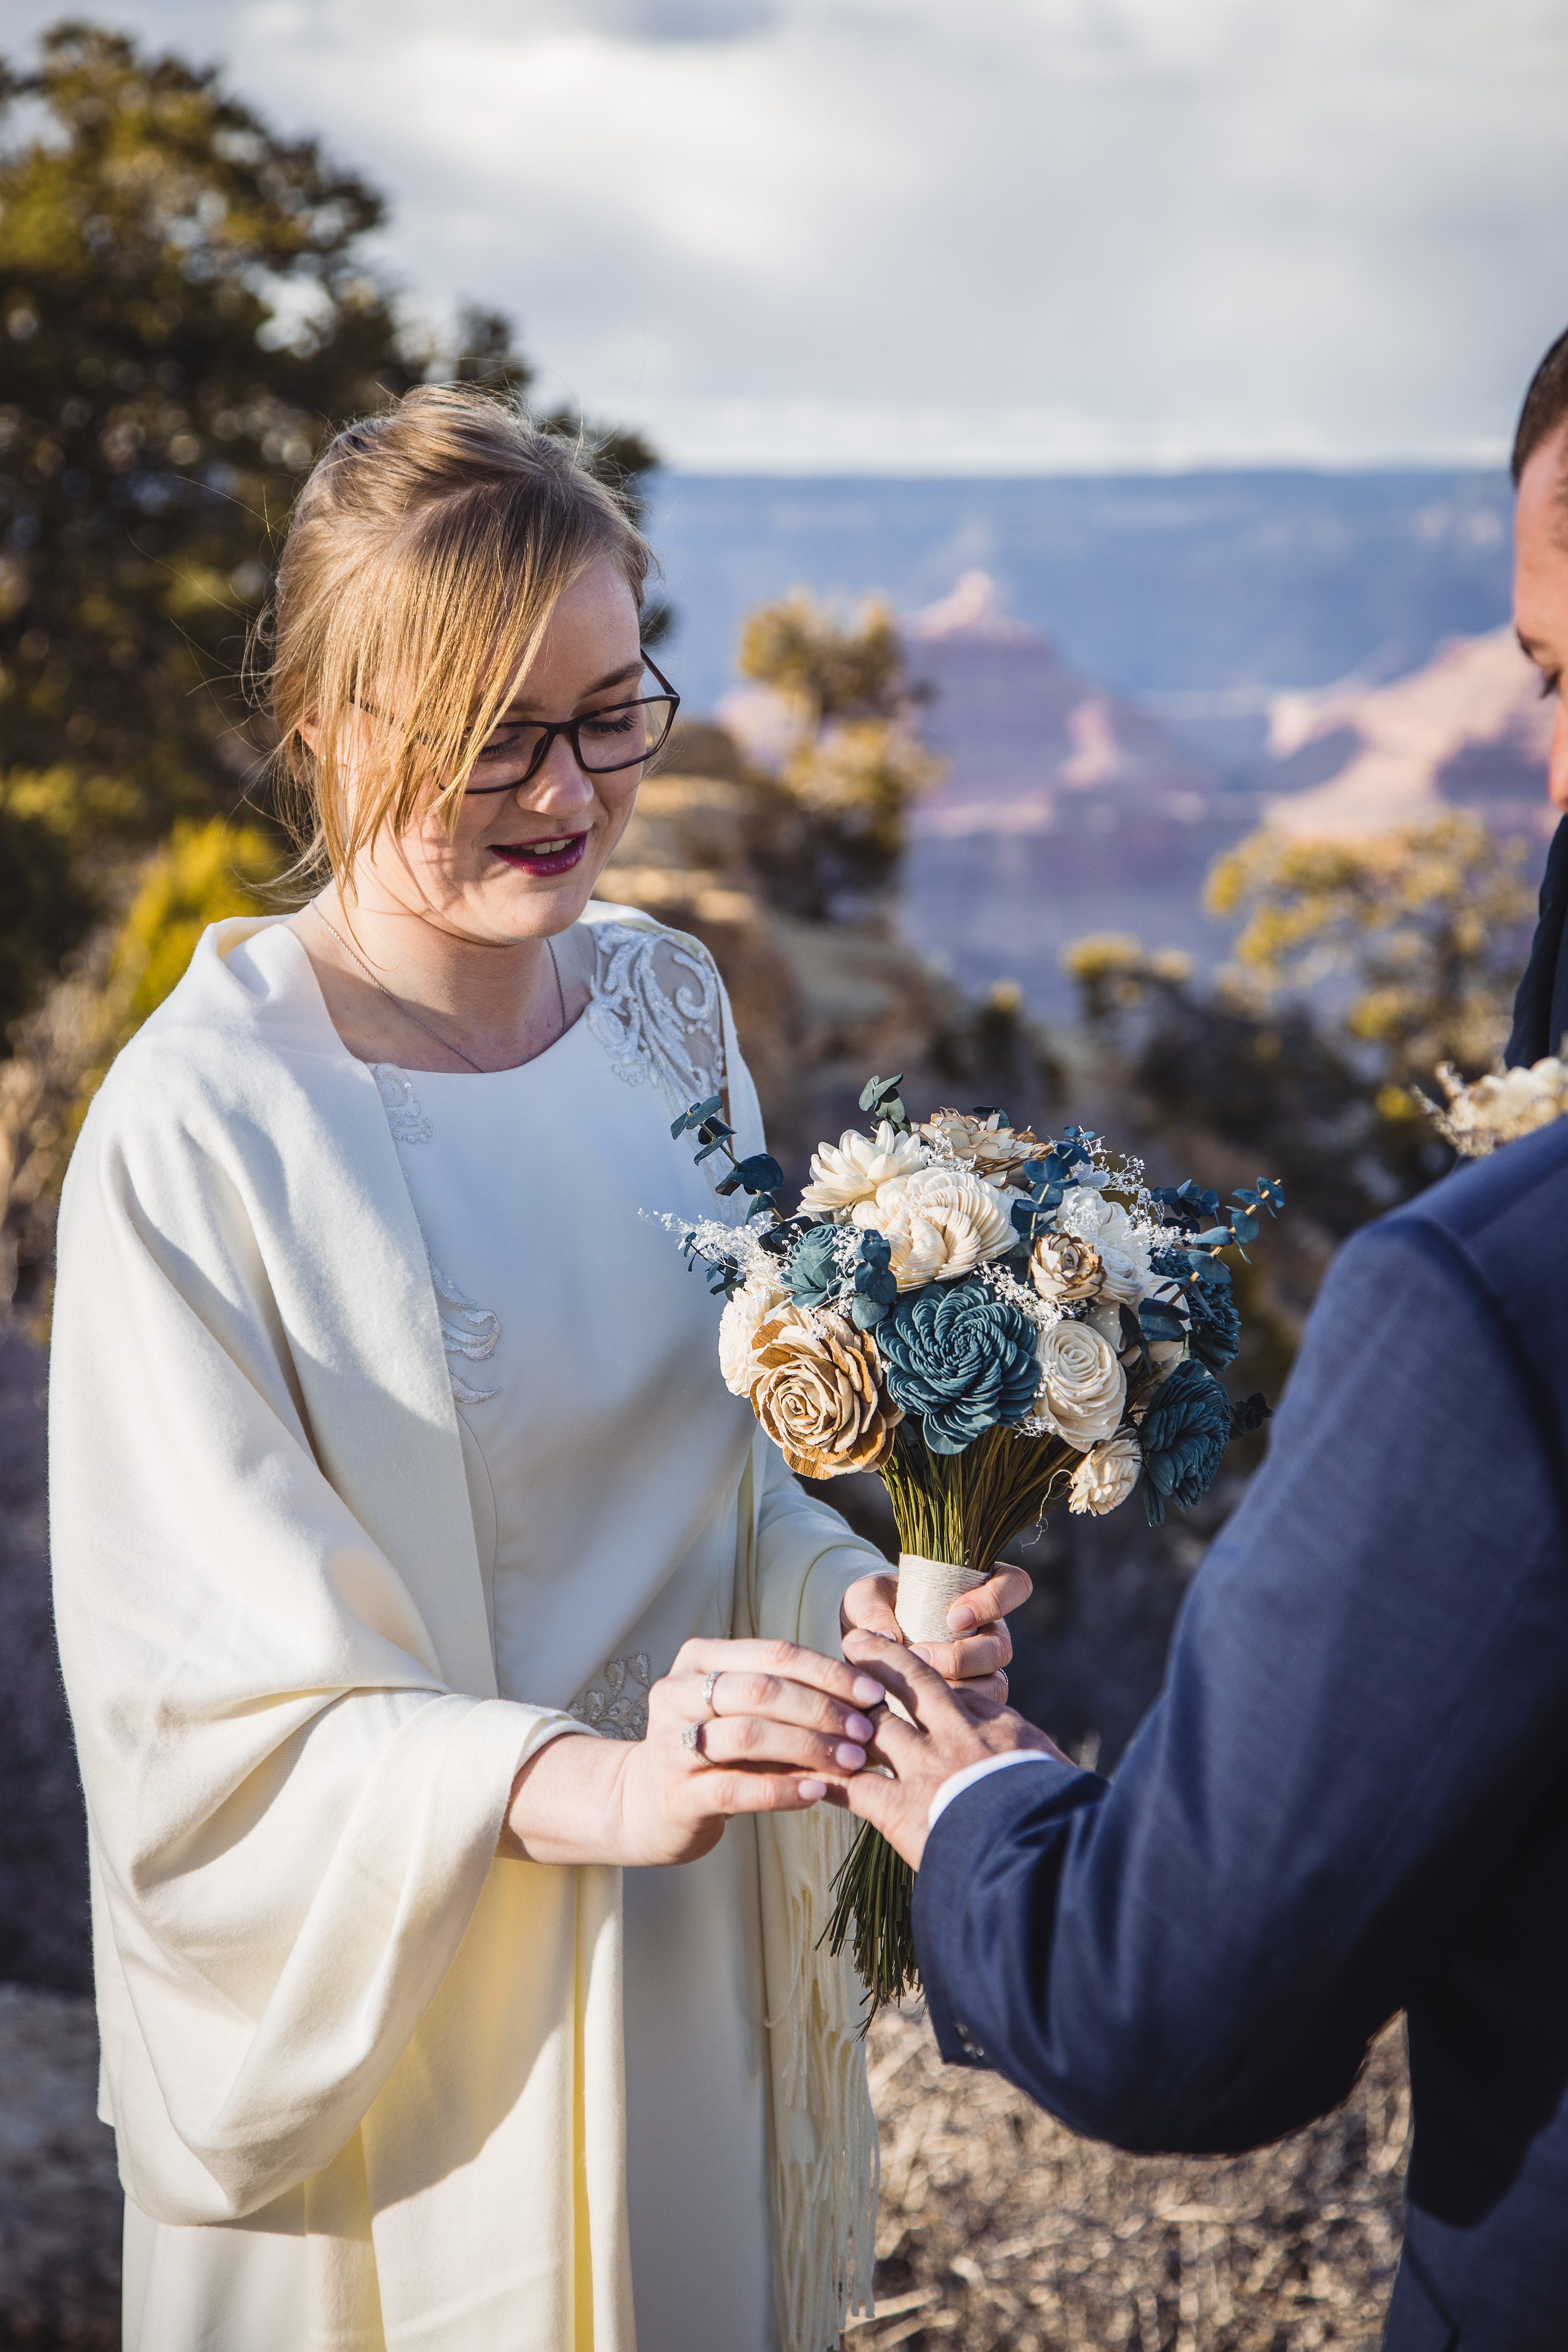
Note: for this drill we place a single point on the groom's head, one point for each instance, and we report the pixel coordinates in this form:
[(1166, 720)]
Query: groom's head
[(1541, 541)]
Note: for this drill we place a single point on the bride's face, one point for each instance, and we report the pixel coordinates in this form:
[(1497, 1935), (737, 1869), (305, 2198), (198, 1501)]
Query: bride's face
[(524, 856)]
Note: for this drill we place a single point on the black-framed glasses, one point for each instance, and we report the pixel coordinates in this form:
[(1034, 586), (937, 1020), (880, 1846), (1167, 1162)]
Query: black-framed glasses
[(623, 735)]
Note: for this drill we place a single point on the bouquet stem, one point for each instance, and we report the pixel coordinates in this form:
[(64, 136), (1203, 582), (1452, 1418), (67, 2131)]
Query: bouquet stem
[(954, 1516)]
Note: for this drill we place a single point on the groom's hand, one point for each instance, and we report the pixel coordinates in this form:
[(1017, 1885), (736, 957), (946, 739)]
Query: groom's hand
[(951, 1729), (977, 1657)]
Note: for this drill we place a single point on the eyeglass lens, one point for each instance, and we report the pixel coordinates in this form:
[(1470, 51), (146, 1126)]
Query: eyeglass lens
[(617, 738)]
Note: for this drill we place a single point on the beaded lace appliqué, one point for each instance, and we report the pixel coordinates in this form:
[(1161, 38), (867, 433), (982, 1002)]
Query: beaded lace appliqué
[(620, 1708), (403, 1116), (662, 1029), (468, 1331)]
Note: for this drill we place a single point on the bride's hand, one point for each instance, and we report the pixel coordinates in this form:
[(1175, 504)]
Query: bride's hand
[(976, 1659), (776, 1725)]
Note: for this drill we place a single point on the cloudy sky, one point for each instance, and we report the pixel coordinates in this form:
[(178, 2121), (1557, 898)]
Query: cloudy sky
[(954, 235)]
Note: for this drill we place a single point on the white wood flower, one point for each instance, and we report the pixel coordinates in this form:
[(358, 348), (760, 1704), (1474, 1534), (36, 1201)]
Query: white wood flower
[(851, 1170), (1122, 1250), (939, 1223), (737, 1327), (1083, 1389), (985, 1144), (1106, 1475)]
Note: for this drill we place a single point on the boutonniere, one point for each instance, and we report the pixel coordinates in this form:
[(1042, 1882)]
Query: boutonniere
[(1500, 1108)]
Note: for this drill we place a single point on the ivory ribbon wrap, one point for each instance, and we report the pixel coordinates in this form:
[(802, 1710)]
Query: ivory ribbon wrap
[(927, 1591)]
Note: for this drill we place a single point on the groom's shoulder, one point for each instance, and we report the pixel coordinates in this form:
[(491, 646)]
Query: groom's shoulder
[(1506, 1216)]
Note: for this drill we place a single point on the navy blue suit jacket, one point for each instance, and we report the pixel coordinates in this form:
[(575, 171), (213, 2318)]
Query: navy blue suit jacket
[(1351, 1795)]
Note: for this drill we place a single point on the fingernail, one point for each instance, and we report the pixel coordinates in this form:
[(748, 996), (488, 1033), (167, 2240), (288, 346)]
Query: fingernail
[(811, 1790), (962, 1619), (858, 1729), (868, 1693), (851, 1757), (917, 1650)]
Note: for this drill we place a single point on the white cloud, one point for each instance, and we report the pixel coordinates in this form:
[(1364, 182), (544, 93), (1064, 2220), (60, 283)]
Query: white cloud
[(897, 234)]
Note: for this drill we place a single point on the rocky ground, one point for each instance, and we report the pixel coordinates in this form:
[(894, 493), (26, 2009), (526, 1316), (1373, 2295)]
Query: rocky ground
[(59, 2194), (1001, 2232)]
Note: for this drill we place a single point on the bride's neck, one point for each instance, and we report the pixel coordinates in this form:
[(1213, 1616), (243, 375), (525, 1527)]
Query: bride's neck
[(401, 985)]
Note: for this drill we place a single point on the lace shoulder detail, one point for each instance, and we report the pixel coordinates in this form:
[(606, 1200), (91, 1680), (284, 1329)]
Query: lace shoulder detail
[(654, 1009), (403, 1116)]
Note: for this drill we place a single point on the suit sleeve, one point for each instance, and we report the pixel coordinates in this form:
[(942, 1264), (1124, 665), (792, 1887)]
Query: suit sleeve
[(1368, 1672)]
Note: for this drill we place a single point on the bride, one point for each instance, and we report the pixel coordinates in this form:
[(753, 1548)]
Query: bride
[(428, 1608)]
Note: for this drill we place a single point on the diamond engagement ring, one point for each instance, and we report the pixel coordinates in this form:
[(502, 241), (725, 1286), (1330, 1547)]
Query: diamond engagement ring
[(713, 1674), (692, 1739)]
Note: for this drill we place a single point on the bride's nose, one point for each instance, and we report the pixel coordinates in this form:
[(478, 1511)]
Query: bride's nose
[(560, 787)]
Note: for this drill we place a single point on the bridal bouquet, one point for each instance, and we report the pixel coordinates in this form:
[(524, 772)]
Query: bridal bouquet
[(986, 1321)]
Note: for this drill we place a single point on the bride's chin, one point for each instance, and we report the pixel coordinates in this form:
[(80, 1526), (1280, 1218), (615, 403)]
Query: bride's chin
[(528, 907)]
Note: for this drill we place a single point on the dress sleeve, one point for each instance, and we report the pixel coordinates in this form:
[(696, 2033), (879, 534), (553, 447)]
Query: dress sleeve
[(291, 1817), (807, 1549)]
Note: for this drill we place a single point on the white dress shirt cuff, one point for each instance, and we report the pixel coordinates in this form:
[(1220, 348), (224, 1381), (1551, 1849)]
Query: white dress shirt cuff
[(956, 1782)]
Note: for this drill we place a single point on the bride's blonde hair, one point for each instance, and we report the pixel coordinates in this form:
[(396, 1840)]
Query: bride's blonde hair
[(421, 562)]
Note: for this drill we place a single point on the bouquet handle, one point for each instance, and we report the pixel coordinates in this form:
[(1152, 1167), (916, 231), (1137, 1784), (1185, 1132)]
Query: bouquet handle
[(927, 1591)]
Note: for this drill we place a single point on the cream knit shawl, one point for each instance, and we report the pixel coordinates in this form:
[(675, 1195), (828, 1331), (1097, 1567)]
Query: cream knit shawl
[(319, 1991)]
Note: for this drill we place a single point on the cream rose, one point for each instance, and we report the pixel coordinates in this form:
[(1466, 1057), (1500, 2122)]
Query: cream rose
[(738, 1327), (1063, 1269), (1106, 1475), (1083, 1388), (851, 1170), (990, 1149), (939, 1223), (817, 1391)]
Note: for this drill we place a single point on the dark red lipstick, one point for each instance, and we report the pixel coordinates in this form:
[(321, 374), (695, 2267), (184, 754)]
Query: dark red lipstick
[(565, 852)]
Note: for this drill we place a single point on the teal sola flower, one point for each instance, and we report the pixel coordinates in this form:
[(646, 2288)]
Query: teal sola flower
[(958, 1359), (1184, 1434), (1216, 1335)]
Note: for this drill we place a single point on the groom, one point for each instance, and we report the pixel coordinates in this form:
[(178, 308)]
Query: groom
[(1351, 1795)]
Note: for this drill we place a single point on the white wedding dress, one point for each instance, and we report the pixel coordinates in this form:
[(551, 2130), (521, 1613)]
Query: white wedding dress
[(603, 1459)]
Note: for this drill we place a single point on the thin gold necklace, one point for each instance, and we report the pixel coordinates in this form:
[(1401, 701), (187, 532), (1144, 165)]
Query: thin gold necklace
[(407, 1010)]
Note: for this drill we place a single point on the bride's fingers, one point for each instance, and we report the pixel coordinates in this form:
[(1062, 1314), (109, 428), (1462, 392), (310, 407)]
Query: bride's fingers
[(740, 1692), (970, 1658), (752, 1741), (1005, 1589), (760, 1792), (784, 1661), (868, 1604)]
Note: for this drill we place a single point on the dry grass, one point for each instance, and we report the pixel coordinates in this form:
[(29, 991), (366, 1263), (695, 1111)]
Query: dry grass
[(1002, 2232)]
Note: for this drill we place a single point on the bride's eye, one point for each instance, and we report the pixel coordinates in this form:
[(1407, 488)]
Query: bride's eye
[(509, 743), (603, 726)]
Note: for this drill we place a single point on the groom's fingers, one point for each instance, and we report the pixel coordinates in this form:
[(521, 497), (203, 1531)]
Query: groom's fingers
[(889, 1807), (920, 1688), (1005, 1589)]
